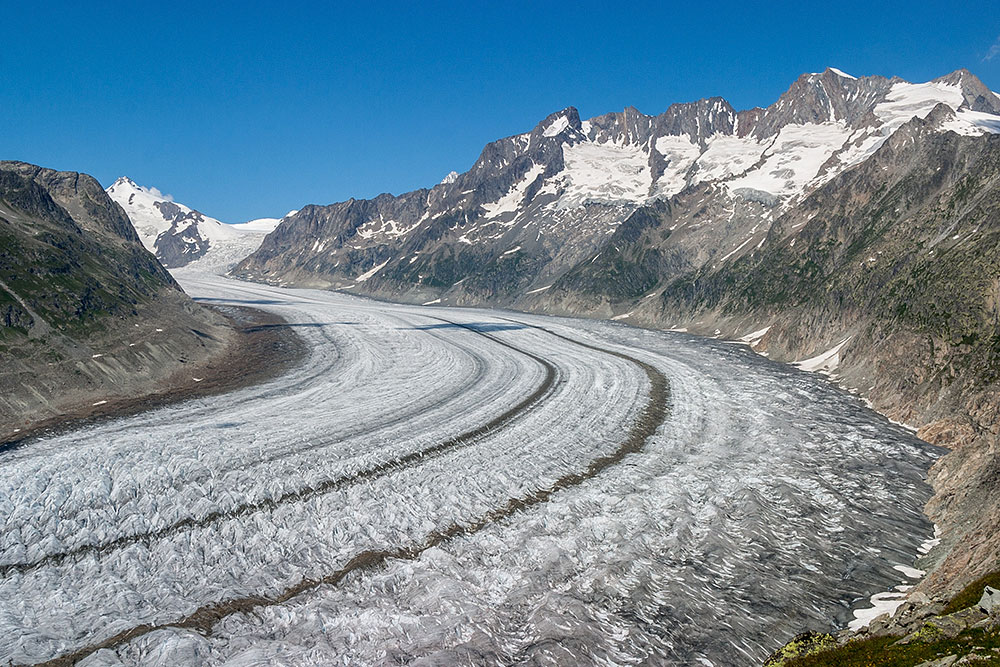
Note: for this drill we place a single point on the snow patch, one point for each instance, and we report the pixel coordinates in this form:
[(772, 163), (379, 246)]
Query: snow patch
[(606, 173), (882, 603), (680, 153), (915, 100), (754, 337), (511, 201), (843, 74), (370, 272), (735, 250), (825, 362), (930, 543), (556, 127), (728, 156), (795, 158), (973, 123), (911, 572), (265, 225)]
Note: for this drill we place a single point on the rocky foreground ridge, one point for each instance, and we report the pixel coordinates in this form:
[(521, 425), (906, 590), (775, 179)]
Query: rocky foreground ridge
[(924, 632), (855, 222), (87, 315)]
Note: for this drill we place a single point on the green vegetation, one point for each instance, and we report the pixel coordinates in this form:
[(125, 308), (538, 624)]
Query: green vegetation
[(803, 645), (617, 274), (507, 273), (75, 282), (973, 593), (442, 269), (928, 643), (884, 652)]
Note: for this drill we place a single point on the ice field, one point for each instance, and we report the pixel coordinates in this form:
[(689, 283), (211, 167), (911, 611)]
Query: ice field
[(457, 486)]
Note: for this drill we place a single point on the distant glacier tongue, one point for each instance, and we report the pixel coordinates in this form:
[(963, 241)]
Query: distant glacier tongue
[(458, 486)]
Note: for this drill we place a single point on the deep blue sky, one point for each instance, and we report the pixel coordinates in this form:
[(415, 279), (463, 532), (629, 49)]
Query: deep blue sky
[(244, 111)]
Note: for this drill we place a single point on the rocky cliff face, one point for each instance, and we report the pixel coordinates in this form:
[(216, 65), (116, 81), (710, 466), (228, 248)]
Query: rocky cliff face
[(86, 313), (852, 224)]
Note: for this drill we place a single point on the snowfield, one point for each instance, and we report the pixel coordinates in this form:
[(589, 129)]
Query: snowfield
[(439, 486)]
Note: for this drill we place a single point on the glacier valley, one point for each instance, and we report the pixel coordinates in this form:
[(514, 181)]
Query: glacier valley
[(453, 485)]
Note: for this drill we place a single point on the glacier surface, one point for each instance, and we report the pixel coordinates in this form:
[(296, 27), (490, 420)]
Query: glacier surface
[(767, 502)]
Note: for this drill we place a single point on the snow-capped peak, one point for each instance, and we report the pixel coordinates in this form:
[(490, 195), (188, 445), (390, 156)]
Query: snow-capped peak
[(266, 225), (124, 185), (842, 73), (123, 181), (178, 234), (450, 178)]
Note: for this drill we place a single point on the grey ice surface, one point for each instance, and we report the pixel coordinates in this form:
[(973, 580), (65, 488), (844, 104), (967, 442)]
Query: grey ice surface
[(768, 502)]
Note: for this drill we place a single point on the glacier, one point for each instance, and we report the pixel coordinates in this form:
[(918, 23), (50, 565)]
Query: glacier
[(767, 501)]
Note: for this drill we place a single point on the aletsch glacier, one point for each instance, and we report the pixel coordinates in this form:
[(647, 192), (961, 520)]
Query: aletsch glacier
[(400, 497), (767, 501)]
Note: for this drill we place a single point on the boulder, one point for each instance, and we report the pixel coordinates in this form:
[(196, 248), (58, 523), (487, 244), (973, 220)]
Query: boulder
[(944, 627), (990, 602)]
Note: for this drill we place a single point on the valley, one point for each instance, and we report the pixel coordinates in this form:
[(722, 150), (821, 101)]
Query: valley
[(493, 512), (631, 389)]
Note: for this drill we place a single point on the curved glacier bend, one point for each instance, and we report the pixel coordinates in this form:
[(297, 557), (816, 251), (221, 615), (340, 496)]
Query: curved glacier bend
[(766, 501), (326, 486)]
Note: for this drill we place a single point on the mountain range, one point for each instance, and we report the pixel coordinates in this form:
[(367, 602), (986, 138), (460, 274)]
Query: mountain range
[(853, 226), (541, 210)]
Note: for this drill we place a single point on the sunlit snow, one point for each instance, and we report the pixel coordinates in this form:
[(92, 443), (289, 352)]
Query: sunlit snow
[(604, 172)]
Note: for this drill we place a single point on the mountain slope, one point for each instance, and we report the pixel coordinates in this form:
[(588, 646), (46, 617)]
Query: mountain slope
[(85, 310), (852, 224), (179, 235), (536, 205), (888, 276), (900, 258)]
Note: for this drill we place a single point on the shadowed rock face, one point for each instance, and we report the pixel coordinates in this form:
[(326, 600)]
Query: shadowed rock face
[(80, 195), (69, 253), (85, 310)]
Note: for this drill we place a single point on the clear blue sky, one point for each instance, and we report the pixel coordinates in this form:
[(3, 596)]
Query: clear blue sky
[(246, 111)]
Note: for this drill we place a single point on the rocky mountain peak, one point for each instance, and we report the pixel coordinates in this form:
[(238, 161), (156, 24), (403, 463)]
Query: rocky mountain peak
[(827, 96), (559, 194), (81, 196), (563, 124), (976, 96)]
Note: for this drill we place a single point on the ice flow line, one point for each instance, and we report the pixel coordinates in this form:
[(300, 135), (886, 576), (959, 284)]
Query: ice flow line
[(328, 486), (205, 618)]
